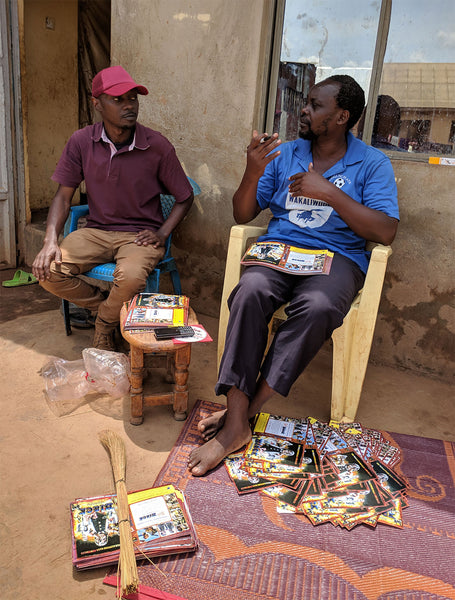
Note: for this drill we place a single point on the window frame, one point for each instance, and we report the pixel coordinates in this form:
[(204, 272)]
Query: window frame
[(375, 81)]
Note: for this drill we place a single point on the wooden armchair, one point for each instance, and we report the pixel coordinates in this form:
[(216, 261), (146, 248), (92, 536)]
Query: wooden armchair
[(351, 342)]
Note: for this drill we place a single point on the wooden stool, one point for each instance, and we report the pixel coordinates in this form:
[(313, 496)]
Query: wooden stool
[(178, 359)]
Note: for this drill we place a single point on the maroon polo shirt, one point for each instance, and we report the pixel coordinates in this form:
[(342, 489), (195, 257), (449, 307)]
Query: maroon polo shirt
[(123, 190)]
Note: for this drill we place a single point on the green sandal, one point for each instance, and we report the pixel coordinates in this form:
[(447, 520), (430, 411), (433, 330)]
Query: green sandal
[(20, 278)]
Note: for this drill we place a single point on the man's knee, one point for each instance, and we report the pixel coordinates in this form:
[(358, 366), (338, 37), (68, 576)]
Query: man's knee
[(133, 276), (46, 284), (58, 275), (318, 308)]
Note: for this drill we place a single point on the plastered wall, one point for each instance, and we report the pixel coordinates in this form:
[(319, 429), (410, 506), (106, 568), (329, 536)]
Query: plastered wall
[(204, 63), (416, 325), (50, 96)]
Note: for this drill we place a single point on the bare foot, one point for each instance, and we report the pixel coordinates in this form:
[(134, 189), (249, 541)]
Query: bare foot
[(208, 456), (210, 426)]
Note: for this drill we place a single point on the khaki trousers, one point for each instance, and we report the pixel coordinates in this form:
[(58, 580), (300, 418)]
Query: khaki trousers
[(87, 247)]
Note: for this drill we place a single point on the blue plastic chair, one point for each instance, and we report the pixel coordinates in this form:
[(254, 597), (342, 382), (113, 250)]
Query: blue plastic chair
[(105, 272)]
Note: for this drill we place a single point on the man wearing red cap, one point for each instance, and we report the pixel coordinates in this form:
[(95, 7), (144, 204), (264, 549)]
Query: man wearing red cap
[(126, 167)]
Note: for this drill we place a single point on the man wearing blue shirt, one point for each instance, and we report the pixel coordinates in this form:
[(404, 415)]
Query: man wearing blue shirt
[(326, 190)]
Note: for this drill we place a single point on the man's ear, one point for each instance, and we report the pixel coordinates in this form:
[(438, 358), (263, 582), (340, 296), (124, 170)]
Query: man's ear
[(344, 117), (96, 104)]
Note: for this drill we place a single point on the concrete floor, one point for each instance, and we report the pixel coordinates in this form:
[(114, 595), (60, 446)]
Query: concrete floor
[(48, 458)]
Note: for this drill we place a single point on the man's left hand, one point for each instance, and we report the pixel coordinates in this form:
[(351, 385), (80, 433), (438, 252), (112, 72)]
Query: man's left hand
[(147, 237), (310, 184)]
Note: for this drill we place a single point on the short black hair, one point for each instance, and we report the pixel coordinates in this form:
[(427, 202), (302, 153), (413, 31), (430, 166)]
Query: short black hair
[(350, 96), (387, 106)]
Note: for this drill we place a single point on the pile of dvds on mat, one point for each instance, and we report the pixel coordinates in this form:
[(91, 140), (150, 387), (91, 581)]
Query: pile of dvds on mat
[(330, 472)]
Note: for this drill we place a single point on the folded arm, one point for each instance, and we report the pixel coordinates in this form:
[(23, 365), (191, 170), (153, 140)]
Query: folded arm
[(370, 224), (147, 237)]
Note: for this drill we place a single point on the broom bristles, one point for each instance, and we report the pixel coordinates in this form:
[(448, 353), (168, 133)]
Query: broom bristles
[(127, 561), (116, 450)]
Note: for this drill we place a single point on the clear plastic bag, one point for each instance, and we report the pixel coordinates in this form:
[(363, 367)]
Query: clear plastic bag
[(98, 372), (65, 380), (107, 371)]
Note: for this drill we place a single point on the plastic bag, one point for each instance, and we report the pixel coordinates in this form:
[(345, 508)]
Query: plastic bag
[(108, 372), (99, 371), (65, 380)]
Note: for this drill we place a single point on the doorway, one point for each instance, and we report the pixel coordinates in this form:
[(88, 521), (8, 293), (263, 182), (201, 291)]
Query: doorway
[(65, 44), (94, 50)]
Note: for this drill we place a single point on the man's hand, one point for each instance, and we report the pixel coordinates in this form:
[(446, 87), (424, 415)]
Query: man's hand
[(370, 224), (260, 152), (310, 184), (147, 237), (41, 265), (58, 213)]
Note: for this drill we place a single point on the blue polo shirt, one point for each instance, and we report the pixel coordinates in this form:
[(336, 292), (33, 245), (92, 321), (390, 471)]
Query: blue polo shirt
[(364, 173)]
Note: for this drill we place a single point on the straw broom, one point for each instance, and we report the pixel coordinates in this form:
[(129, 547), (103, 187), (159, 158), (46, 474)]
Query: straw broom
[(115, 447)]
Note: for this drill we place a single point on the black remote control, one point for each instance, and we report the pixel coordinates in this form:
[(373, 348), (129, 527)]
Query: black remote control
[(167, 333)]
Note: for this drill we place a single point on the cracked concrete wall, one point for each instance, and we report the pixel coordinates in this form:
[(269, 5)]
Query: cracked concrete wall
[(204, 63), (416, 325)]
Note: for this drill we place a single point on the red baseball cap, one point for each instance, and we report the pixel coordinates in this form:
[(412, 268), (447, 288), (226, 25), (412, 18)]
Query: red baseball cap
[(115, 81)]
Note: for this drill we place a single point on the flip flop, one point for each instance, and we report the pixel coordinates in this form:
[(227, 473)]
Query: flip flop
[(20, 278)]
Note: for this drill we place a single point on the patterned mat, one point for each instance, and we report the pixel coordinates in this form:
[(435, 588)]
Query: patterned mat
[(250, 552)]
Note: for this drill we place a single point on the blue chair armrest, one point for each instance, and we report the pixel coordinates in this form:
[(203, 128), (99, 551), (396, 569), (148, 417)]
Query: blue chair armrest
[(76, 212), (168, 201), (194, 185)]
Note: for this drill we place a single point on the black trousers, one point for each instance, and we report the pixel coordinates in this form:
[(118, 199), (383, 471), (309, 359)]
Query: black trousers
[(317, 306)]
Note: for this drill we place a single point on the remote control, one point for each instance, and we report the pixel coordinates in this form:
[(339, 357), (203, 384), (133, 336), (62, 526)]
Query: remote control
[(167, 333)]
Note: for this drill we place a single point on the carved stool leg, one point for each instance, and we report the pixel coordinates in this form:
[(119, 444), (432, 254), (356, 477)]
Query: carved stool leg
[(170, 368), (136, 390), (182, 362)]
